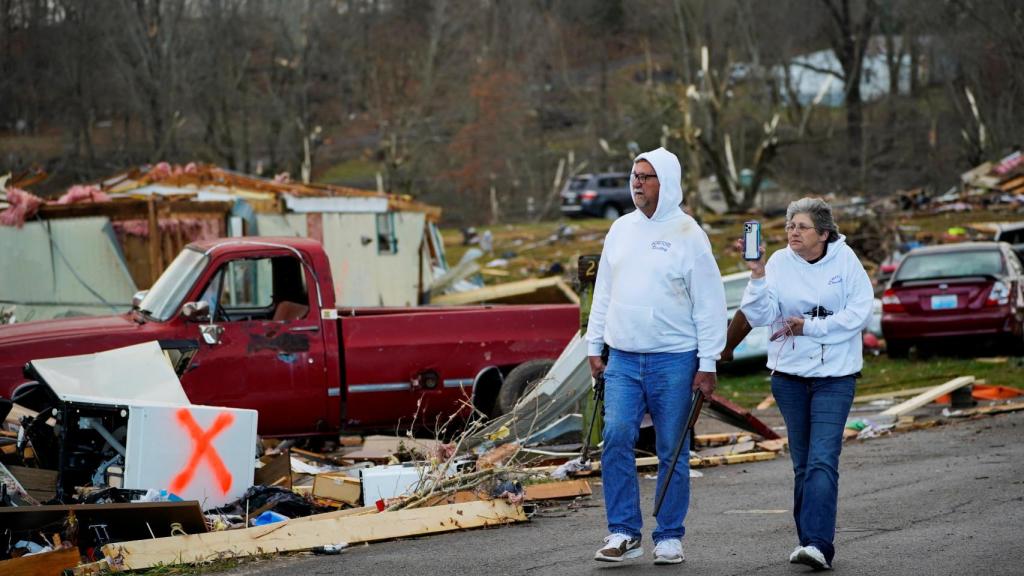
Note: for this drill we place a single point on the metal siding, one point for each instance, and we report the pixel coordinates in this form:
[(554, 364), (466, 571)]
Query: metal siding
[(398, 274), (43, 275), (352, 262)]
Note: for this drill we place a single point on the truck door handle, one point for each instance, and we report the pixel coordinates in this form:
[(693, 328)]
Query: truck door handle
[(313, 328)]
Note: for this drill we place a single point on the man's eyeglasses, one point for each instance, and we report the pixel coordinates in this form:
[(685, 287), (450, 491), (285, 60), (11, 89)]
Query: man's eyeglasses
[(801, 227), (642, 178)]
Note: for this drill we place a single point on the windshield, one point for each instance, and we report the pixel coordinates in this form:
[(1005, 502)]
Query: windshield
[(950, 265), (165, 296), (578, 183)]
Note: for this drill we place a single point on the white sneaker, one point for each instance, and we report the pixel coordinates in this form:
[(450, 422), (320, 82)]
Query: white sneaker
[(795, 554), (811, 556), (669, 551), (619, 547)]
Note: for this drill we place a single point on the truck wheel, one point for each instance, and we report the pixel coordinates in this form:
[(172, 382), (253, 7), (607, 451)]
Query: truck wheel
[(520, 381)]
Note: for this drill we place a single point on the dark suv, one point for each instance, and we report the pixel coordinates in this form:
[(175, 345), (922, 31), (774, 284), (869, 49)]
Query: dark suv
[(603, 195)]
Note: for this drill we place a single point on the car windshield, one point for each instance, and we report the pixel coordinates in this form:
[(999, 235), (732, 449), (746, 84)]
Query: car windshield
[(163, 299), (578, 183), (950, 265), (734, 292)]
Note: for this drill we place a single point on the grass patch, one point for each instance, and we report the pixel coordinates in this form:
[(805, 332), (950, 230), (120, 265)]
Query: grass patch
[(349, 172), (749, 384)]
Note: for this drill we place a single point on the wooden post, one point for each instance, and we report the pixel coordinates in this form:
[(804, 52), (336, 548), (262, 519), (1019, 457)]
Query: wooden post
[(588, 276), (155, 265)]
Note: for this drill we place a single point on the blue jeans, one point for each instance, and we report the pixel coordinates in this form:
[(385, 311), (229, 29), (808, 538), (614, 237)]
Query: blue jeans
[(815, 411), (635, 383)]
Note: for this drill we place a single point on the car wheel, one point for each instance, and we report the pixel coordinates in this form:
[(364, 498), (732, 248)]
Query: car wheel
[(611, 212), (520, 381), (896, 348)]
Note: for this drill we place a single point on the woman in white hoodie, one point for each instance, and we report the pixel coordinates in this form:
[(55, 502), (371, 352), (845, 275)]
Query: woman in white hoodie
[(817, 298)]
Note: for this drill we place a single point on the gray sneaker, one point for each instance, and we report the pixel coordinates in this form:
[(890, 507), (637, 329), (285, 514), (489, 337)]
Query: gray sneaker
[(811, 556), (669, 551), (619, 547)]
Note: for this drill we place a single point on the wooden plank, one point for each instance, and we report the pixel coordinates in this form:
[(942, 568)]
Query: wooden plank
[(926, 397), (153, 242), (893, 394), (142, 554), (54, 562), (738, 448), (16, 491), (722, 438), (731, 459), (994, 409), (40, 483), (276, 470), (133, 520), (555, 490), (512, 292)]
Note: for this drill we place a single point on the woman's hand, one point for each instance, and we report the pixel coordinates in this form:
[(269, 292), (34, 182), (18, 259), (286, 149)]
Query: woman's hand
[(756, 266), (796, 325)]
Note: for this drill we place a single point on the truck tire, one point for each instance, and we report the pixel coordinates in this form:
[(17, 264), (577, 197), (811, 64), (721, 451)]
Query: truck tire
[(519, 381)]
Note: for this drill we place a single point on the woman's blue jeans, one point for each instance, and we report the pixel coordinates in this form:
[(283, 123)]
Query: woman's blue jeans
[(815, 411), (635, 383)]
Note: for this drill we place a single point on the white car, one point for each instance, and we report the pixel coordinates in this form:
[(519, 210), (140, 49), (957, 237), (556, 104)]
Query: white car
[(755, 345)]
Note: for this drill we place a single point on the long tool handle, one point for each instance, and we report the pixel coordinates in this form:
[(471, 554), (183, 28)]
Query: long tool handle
[(696, 402), (598, 397)]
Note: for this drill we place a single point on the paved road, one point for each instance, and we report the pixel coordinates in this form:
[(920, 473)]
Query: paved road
[(948, 500)]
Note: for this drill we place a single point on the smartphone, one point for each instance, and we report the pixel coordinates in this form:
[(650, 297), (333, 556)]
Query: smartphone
[(752, 240)]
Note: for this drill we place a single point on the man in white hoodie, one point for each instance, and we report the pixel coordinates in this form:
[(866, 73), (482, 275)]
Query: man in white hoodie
[(659, 305)]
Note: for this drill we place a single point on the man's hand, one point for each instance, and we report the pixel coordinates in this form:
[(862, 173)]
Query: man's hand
[(706, 381), (596, 366)]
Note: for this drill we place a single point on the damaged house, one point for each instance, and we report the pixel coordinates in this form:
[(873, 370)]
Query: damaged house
[(90, 251)]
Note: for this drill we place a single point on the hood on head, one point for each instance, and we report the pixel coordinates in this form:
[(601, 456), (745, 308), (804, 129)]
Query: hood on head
[(670, 196)]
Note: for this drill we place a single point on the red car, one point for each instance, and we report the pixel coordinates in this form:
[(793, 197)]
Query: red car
[(971, 290)]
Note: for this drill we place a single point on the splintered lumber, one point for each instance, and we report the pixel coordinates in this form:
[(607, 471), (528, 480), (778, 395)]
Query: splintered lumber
[(555, 490), (695, 462), (925, 397), (140, 554), (133, 519), (773, 445), (708, 440), (738, 448), (40, 483), (47, 563), (531, 291), (994, 409), (893, 394), (731, 459)]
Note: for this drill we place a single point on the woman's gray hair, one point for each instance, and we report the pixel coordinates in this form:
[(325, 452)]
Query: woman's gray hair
[(820, 213)]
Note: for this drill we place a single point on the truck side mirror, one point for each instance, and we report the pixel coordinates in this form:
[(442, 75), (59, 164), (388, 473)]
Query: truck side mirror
[(196, 311), (137, 298)]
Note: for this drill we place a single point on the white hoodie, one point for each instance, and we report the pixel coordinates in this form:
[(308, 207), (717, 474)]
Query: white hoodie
[(835, 286), (658, 286)]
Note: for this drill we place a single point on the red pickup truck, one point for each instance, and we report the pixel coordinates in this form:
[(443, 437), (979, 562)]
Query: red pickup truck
[(251, 323)]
